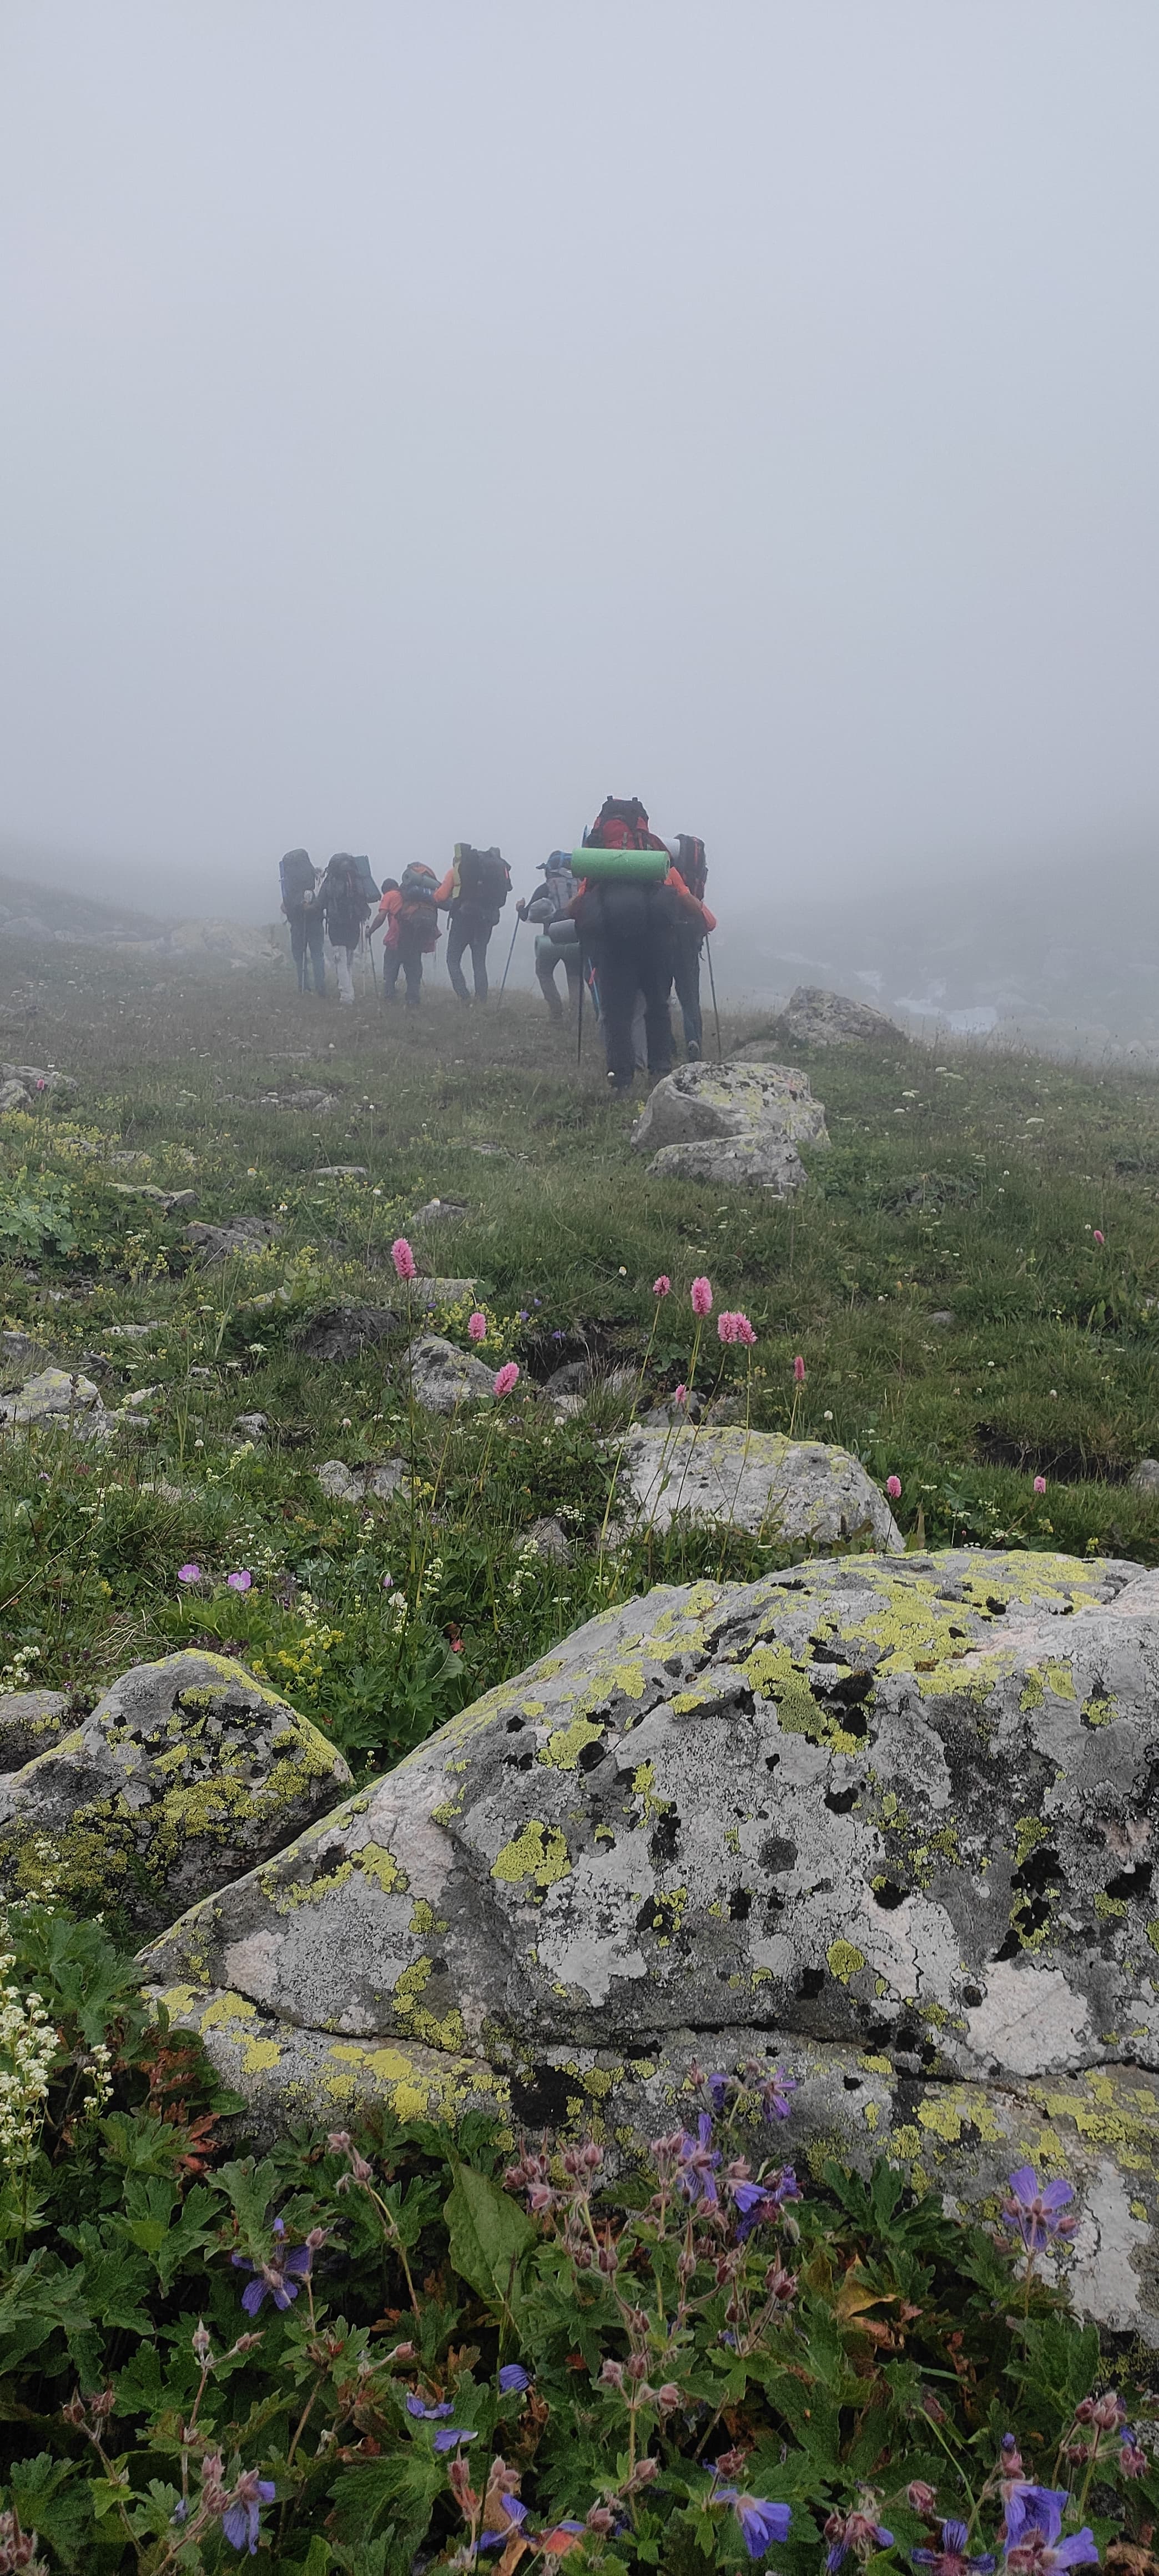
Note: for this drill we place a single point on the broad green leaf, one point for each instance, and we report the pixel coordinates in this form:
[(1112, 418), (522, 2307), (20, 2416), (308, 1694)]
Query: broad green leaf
[(489, 2236)]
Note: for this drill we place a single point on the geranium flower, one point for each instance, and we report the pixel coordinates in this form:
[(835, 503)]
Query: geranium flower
[(189, 1573), (697, 2162), (761, 2522), (1034, 2210), (701, 1296), (403, 1258), (513, 2378), (857, 2531), (452, 2434), (775, 2093), (506, 1378), (1033, 2523), (241, 2520), (282, 2276), (950, 2558), (241, 1580)]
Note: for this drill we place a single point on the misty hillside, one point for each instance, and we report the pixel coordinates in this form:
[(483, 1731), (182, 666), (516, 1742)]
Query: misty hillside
[(34, 917), (1068, 953)]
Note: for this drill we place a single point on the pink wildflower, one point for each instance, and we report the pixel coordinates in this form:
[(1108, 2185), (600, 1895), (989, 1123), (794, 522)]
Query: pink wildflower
[(735, 1328), (387, 1582), (893, 1488), (701, 1295), (661, 1287), (189, 1574), (1099, 1238), (477, 1326), (241, 1581), (402, 1257), (1040, 1484), (799, 1370), (506, 1378), (681, 1395)]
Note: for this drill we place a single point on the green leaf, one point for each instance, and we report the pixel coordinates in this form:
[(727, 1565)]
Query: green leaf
[(404, 2488), (490, 2237), (51, 2498)]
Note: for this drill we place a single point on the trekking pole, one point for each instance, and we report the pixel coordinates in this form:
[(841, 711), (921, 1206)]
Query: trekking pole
[(373, 967), (579, 1020), (510, 954), (712, 985)]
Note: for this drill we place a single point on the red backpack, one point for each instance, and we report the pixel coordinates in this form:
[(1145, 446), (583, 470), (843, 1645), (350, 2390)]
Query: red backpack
[(621, 824)]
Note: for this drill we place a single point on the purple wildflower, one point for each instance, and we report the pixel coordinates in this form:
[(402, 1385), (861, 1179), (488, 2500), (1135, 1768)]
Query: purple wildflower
[(452, 2435), (698, 2162), (1133, 2461), (775, 2095), (516, 2513), (950, 2559), (240, 2521), (1034, 2208), (716, 2087), (855, 2531), (760, 2521), (513, 2379), (1033, 2523), (430, 2414), (760, 2203), (282, 2275)]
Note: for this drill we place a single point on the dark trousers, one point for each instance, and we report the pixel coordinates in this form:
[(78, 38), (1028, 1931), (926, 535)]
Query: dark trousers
[(407, 958), (686, 977), (468, 930), (547, 958), (306, 949), (641, 963)]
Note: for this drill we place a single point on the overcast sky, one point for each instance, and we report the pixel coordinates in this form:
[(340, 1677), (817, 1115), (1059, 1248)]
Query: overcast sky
[(419, 420)]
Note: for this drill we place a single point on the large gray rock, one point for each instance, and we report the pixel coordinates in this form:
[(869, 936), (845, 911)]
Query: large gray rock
[(38, 1077), (53, 1393), (344, 1332), (441, 1377), (343, 1484), (883, 1822), (243, 1234), (734, 1123), (186, 1773), (757, 1480), (817, 1018)]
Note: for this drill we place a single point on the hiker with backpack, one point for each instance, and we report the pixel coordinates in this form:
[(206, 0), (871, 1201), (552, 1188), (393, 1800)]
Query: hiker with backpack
[(473, 894), (345, 905), (693, 924), (549, 906), (627, 919), (408, 909), (303, 912)]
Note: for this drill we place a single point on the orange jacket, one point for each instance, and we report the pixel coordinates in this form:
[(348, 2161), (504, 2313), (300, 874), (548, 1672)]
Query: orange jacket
[(388, 912)]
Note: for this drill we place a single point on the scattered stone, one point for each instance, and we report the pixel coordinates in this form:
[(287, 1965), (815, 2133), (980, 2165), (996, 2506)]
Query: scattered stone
[(817, 1018), (731, 1123), (141, 1395), (440, 1212), (342, 1484), (29, 1722), (52, 1393), (342, 1332), (943, 1317), (251, 1426), (574, 1378), (341, 1172), (442, 1377), (876, 1821), (243, 1234), (187, 1772), (549, 1539), (312, 1102), (166, 1200), (14, 1095), (133, 1332), (1144, 1479), (429, 1293), (39, 1077), (756, 1480), (724, 1410)]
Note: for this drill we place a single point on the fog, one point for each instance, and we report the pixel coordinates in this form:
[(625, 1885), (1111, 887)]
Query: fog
[(419, 421)]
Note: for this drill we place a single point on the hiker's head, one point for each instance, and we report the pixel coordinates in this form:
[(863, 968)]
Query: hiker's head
[(389, 885)]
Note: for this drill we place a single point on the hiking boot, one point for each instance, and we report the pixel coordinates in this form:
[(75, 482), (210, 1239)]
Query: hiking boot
[(693, 1052)]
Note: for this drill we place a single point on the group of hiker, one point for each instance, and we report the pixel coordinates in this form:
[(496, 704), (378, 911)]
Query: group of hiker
[(624, 916)]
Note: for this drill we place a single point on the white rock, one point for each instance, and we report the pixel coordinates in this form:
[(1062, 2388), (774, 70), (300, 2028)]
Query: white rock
[(757, 1480)]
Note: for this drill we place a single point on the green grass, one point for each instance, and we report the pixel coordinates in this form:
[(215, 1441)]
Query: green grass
[(967, 1186)]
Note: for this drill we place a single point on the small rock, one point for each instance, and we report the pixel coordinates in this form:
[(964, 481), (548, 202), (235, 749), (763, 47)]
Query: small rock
[(251, 1426), (442, 1377), (166, 1200), (341, 1172), (52, 1392), (731, 1124), (29, 1722), (1144, 1479), (757, 1480), (18, 1355), (574, 1378), (943, 1317), (726, 1409), (438, 1292), (243, 1234), (735, 1162), (818, 1018), (440, 1212), (343, 1484), (142, 1395), (187, 1772), (13, 1095), (342, 1332), (132, 1332), (38, 1077), (550, 1540)]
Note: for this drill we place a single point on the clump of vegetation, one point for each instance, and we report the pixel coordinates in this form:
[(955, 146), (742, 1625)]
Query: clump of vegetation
[(397, 2350)]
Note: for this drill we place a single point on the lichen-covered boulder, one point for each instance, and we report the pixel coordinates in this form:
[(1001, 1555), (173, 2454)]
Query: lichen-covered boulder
[(701, 1101), (818, 1018), (440, 1377), (885, 1821), (756, 1480), (186, 1774)]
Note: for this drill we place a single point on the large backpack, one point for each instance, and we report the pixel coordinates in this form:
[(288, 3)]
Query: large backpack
[(418, 911), (344, 899), (484, 878), (621, 824), (692, 864), (297, 877)]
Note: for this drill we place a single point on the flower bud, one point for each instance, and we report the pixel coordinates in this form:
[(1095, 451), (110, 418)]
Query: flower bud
[(669, 2396), (922, 2499), (612, 2374)]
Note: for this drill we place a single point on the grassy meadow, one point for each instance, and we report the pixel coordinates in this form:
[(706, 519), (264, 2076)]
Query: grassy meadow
[(961, 1323)]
